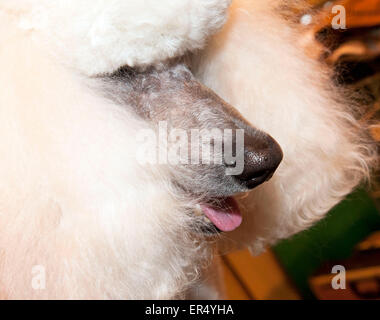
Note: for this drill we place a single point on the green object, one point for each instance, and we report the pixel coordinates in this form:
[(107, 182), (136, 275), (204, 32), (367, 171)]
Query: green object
[(333, 238)]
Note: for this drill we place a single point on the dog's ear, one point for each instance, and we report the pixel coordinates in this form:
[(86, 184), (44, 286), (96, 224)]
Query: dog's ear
[(110, 34), (284, 93)]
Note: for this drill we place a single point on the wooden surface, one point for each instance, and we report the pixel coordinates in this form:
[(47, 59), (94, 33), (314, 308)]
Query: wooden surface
[(259, 278)]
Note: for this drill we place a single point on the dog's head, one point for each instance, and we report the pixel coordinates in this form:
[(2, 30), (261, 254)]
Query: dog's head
[(213, 153)]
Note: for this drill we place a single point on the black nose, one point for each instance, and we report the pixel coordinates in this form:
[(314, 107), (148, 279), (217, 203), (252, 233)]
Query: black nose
[(262, 156)]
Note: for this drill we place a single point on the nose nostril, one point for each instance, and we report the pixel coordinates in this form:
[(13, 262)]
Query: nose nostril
[(258, 178), (259, 174)]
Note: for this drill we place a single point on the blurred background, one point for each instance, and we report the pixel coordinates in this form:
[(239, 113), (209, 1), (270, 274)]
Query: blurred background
[(301, 267)]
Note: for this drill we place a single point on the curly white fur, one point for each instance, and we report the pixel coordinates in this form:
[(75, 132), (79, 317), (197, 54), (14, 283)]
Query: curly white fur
[(107, 34), (72, 196)]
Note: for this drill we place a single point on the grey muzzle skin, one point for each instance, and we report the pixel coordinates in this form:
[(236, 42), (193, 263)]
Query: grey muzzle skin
[(172, 94)]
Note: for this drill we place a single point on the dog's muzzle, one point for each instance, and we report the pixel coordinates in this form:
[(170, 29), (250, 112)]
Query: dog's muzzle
[(173, 95)]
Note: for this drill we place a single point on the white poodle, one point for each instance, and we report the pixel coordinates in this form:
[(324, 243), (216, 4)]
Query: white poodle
[(81, 216)]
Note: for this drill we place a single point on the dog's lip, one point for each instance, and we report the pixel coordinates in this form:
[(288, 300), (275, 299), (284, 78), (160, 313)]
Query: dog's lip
[(223, 213)]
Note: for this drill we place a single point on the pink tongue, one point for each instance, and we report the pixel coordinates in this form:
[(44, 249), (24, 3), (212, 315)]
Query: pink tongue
[(226, 217)]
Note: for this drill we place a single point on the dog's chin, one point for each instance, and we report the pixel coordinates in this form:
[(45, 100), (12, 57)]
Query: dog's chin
[(218, 215)]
